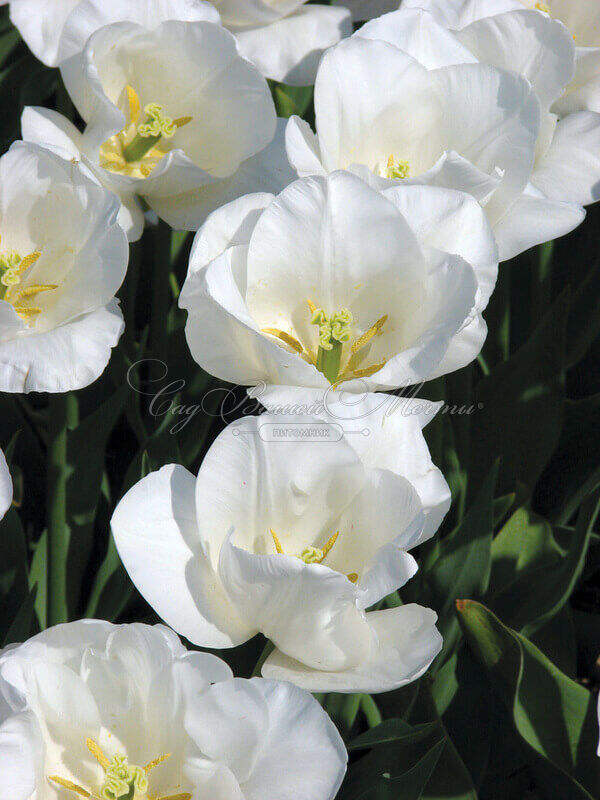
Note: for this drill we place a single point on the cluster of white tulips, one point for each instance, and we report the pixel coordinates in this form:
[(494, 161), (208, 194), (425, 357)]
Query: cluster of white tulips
[(329, 266)]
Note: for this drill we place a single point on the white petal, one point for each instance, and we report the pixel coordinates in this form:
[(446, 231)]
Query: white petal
[(570, 170), (282, 484), (289, 49), (21, 757), (532, 220), (46, 127), (583, 94), (156, 533), (460, 13), (293, 764), (408, 643), (465, 346), (267, 171), (453, 222), (228, 226), (302, 148), (64, 359), (41, 24), (307, 610), (417, 33), (531, 44), (90, 15), (227, 723), (385, 431), (6, 487)]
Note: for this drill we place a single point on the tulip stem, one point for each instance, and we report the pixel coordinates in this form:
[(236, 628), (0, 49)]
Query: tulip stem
[(62, 416), (268, 649)]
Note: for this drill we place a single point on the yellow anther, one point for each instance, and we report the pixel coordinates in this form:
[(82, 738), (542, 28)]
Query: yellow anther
[(113, 158), (135, 108), (96, 751), (23, 311), (329, 545), (543, 7), (285, 337), (182, 796), (73, 787), (368, 371), (156, 762), (278, 546), (181, 121), (352, 577), (311, 306), (374, 330), (28, 261), (32, 291)]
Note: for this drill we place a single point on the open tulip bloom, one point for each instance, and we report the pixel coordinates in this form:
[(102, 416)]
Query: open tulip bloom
[(113, 712), (174, 114), (392, 118), (6, 487), (63, 257), (291, 538), (333, 283)]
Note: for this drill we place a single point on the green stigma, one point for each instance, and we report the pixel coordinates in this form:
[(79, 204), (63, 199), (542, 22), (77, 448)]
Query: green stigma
[(9, 271), (149, 133), (397, 169), (312, 555), (123, 781)]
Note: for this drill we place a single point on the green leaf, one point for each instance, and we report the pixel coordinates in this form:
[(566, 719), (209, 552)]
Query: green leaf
[(584, 317), (290, 100), (25, 624), (526, 388), (392, 730), (554, 716), (575, 466), (14, 587)]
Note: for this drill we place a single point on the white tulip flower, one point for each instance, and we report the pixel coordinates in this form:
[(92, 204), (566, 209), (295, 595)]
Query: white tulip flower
[(283, 38), (173, 114), (108, 712), (580, 17), (567, 158), (382, 113), (63, 256), (6, 487), (335, 283), (287, 531)]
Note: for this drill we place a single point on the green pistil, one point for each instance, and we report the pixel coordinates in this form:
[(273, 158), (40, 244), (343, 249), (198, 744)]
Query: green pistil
[(156, 127), (334, 331), (9, 271)]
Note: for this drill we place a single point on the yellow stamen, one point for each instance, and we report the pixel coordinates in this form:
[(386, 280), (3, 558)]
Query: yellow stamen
[(368, 371), (182, 796), (374, 330), (156, 762), (329, 545), (390, 161), (73, 787), (352, 577), (32, 291), (28, 261), (135, 108), (285, 337), (96, 751), (113, 158), (181, 121), (543, 7), (311, 305), (278, 546)]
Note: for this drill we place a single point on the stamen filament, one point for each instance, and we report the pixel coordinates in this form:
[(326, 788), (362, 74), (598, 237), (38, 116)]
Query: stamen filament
[(182, 796)]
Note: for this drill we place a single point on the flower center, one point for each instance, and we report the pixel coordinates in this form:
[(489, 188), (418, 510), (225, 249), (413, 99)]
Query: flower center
[(122, 780), (313, 555), (397, 169), (335, 331), (13, 276), (543, 7), (138, 148)]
